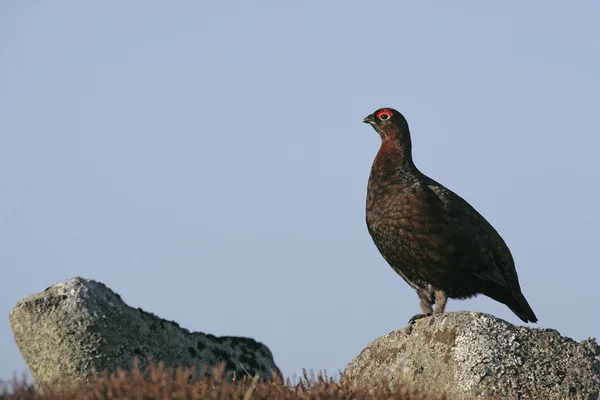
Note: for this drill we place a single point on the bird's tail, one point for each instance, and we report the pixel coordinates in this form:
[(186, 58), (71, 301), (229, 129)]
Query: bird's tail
[(521, 308), (515, 301)]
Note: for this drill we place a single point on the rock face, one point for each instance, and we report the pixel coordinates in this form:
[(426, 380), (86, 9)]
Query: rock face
[(73, 328), (473, 355)]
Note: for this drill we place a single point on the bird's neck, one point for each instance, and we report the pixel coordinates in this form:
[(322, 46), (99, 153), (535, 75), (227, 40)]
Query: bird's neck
[(395, 155)]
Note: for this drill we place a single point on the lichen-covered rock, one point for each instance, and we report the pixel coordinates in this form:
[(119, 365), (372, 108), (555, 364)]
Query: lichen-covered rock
[(79, 326), (472, 355)]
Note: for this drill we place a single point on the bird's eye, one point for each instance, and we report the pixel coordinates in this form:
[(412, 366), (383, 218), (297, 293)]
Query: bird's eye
[(384, 114)]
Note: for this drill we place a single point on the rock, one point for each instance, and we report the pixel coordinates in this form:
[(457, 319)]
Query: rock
[(472, 355), (79, 326)]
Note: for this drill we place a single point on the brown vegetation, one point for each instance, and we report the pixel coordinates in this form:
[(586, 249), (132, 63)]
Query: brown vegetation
[(158, 383)]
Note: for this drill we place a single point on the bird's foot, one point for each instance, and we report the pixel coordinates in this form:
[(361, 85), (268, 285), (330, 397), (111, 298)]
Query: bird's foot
[(417, 317)]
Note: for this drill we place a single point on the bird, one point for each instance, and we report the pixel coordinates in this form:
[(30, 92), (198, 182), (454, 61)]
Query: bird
[(430, 236)]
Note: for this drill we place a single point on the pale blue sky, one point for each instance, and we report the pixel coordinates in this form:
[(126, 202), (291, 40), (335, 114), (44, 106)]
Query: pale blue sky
[(207, 160)]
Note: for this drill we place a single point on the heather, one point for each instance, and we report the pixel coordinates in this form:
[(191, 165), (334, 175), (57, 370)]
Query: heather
[(159, 383)]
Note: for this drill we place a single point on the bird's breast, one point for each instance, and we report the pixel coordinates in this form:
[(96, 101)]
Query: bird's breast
[(402, 208), (406, 224)]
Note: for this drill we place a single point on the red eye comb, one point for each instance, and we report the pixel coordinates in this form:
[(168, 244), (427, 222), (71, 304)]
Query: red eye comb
[(384, 112)]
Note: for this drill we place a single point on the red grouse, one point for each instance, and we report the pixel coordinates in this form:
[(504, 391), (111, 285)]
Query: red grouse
[(435, 240)]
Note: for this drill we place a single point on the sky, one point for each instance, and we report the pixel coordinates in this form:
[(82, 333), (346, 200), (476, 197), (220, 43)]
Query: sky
[(207, 160)]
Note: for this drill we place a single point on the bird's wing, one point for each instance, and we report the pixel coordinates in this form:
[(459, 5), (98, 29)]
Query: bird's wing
[(480, 248), (505, 262), (491, 275)]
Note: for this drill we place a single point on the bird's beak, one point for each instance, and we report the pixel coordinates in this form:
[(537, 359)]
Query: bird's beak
[(369, 119)]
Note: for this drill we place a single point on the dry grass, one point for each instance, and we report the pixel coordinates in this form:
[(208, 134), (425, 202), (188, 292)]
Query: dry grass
[(158, 383)]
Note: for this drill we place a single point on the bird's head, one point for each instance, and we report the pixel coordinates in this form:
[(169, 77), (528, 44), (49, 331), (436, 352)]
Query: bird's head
[(388, 122)]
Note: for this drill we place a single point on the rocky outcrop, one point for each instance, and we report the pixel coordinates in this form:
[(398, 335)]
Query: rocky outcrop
[(473, 355), (79, 326)]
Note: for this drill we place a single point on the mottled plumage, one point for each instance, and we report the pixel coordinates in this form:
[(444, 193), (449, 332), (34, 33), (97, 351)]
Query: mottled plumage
[(435, 240)]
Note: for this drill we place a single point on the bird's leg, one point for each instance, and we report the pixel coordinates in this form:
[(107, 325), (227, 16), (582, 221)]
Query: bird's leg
[(426, 306), (426, 302), (441, 299)]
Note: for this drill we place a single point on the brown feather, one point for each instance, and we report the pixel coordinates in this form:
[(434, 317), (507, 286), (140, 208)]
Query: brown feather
[(429, 235)]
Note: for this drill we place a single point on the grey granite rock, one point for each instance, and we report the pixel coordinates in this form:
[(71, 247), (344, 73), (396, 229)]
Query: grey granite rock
[(79, 326), (473, 355)]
